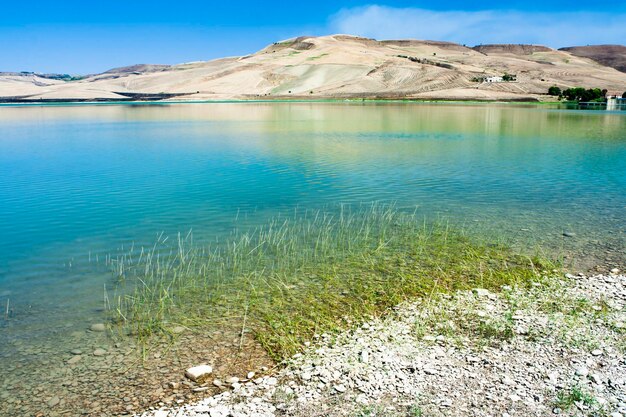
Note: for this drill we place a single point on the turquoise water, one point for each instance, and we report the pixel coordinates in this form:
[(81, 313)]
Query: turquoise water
[(81, 183)]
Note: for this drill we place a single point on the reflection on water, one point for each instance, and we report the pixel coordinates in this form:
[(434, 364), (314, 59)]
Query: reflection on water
[(80, 182)]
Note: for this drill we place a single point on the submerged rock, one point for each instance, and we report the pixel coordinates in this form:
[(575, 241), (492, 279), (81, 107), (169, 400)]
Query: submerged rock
[(53, 401), (98, 327), (74, 359)]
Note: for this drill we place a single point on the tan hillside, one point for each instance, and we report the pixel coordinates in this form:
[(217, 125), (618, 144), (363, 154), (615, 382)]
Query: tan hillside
[(340, 66), (610, 55)]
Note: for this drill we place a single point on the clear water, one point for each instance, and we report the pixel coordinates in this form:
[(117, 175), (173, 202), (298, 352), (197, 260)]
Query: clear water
[(78, 183)]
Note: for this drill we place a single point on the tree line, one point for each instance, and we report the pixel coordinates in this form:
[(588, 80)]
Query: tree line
[(579, 94)]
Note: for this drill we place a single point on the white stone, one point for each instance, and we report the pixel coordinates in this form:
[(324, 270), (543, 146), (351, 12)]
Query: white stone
[(198, 372), (582, 371), (507, 381), (232, 380), (340, 388), (219, 411), (481, 292), (430, 371)]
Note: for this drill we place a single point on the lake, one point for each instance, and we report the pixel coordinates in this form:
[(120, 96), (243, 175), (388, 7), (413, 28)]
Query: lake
[(80, 184)]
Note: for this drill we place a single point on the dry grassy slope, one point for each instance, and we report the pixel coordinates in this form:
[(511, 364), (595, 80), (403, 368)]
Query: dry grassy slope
[(344, 66), (610, 55)]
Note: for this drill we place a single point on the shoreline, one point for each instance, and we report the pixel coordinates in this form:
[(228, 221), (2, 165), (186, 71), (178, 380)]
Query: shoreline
[(556, 347), (117, 101)]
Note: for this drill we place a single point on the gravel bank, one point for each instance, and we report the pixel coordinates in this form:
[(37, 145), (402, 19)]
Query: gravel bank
[(555, 348)]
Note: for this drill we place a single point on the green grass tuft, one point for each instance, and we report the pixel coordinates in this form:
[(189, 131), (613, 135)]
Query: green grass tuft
[(565, 399)]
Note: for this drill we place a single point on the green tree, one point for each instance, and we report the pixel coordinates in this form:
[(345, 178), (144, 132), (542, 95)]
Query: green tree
[(624, 95), (580, 94), (554, 91)]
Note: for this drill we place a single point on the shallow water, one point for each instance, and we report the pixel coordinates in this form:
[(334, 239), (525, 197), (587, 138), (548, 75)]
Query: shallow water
[(79, 183)]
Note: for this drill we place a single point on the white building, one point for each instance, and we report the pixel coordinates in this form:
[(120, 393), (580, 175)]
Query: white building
[(495, 79)]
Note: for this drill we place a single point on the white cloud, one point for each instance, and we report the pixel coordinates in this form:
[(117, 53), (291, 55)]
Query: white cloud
[(475, 27)]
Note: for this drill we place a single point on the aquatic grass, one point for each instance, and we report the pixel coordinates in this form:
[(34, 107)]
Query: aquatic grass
[(306, 274)]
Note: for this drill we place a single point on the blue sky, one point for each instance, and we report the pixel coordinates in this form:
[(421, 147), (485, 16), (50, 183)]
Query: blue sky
[(81, 37)]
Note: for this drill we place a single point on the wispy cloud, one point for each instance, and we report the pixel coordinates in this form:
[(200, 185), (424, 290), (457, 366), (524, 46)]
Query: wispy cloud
[(476, 27)]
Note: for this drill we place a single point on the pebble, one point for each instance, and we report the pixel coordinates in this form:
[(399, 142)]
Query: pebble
[(76, 352), (99, 352), (53, 401), (507, 381), (98, 327), (178, 329), (481, 292), (250, 375), (74, 359), (198, 372), (596, 378), (569, 234), (430, 371), (582, 371), (597, 352), (217, 383), (339, 388), (232, 380)]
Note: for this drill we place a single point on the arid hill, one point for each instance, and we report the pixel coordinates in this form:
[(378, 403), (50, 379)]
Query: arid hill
[(338, 66), (613, 56), (138, 69), (515, 49)]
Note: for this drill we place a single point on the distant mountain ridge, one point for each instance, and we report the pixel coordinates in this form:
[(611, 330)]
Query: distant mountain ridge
[(345, 66)]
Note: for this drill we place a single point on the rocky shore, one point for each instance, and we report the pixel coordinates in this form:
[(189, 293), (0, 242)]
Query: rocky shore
[(555, 347)]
